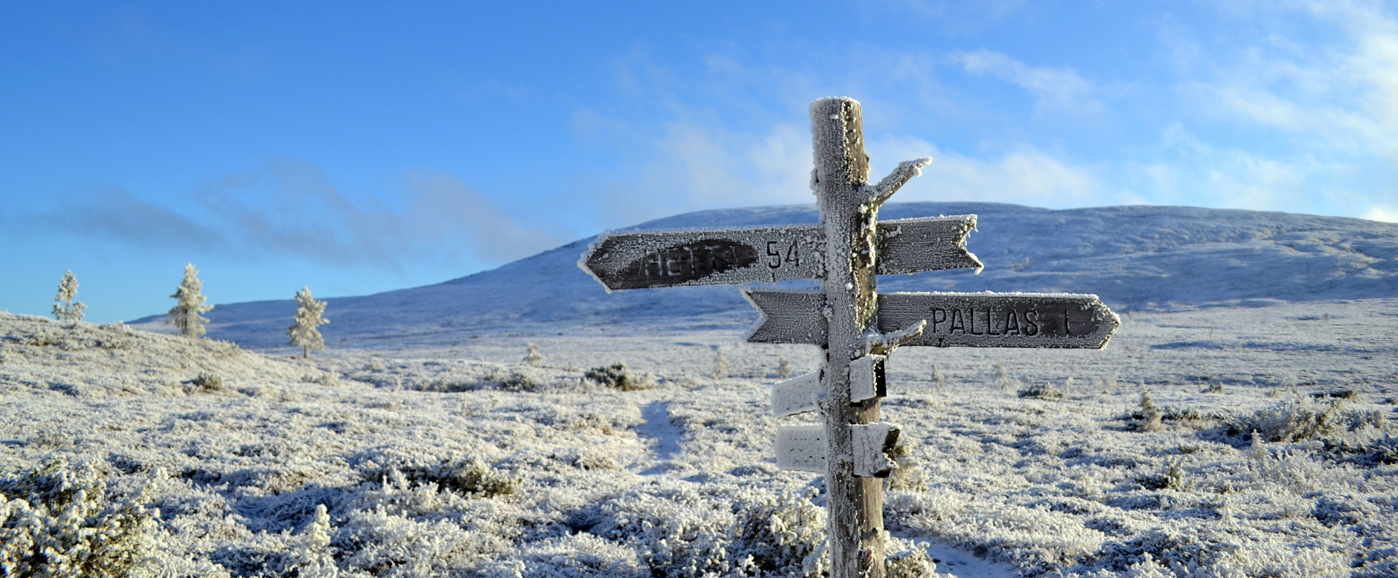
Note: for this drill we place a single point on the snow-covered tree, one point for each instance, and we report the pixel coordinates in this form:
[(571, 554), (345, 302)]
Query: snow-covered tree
[(186, 313), (64, 306), (304, 332)]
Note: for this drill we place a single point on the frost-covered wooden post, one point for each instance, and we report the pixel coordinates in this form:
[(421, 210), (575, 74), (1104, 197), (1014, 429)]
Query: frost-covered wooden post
[(855, 326), (849, 211)]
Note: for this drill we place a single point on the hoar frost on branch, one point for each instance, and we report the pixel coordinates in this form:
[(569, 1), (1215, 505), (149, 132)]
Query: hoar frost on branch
[(64, 306), (186, 313), (308, 317)]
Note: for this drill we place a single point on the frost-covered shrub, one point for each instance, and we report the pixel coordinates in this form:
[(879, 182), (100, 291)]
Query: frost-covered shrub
[(909, 475), (41, 337), (784, 367), (1042, 391), (325, 378), (313, 557), (208, 381), (578, 555), (907, 559), (471, 477), (520, 381), (387, 544), (1107, 383), (619, 376), (60, 520), (1148, 417), (1294, 420), (680, 533), (533, 357), (1205, 551), (1171, 477), (780, 535), (721, 365), (1384, 450), (677, 533), (1002, 376)]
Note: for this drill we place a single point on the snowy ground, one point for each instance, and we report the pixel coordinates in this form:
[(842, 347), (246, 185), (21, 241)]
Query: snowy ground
[(459, 459)]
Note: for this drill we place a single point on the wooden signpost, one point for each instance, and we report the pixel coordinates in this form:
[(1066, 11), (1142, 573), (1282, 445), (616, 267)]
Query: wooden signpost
[(855, 326)]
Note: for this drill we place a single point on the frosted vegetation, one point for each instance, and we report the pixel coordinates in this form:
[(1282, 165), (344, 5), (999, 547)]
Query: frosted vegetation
[(304, 331), (1241, 439), (66, 307), (187, 314)]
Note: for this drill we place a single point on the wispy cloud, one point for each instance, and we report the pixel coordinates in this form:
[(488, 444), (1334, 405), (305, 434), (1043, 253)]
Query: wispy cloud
[(114, 213), (291, 208), (1339, 94), (1055, 89), (1024, 176), (702, 159)]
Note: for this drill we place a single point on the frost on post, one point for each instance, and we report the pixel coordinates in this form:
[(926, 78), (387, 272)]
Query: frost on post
[(308, 317), (186, 313), (64, 306)]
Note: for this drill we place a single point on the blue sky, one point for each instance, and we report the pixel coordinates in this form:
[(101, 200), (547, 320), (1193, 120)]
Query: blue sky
[(356, 148)]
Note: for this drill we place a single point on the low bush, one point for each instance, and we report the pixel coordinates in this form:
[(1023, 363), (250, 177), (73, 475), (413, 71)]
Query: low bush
[(59, 520), (1171, 477), (618, 376), (1294, 420), (780, 535), (1044, 391), (208, 381), (533, 357), (1148, 417), (470, 477)]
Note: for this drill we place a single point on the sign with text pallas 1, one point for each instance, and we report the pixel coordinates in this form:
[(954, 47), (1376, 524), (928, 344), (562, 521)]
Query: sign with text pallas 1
[(1041, 320), (642, 259)]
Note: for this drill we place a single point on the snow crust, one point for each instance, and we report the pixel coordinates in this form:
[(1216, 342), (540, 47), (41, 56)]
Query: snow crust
[(665, 481)]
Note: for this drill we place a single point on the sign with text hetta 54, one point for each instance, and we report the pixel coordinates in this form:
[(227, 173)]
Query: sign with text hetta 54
[(855, 326)]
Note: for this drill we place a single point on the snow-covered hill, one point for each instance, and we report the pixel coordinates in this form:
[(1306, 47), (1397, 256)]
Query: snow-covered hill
[(1135, 258)]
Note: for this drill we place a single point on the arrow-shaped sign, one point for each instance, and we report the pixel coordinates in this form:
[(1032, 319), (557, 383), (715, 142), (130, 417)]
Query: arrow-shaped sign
[(803, 448), (641, 259), (1062, 320), (796, 395), (803, 393)]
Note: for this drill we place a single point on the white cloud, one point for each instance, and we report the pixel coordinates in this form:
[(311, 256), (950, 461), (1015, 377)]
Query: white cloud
[(1202, 174), (292, 208), (697, 165), (1381, 213), (1024, 176), (1339, 95), (1056, 89)]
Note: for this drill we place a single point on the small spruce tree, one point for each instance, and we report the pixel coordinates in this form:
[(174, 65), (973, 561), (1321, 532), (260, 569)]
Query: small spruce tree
[(308, 318), (533, 357), (721, 365), (64, 306), (186, 313)]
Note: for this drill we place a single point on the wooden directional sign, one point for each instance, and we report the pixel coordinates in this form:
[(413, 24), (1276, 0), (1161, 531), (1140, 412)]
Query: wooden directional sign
[(803, 448), (798, 394), (803, 393), (1062, 320), (853, 324), (643, 259)]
